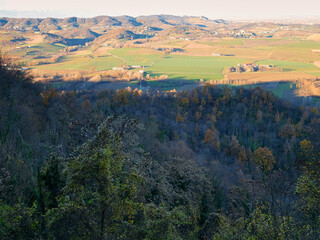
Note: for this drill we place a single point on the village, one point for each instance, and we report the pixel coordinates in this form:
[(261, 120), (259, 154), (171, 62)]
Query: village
[(251, 67)]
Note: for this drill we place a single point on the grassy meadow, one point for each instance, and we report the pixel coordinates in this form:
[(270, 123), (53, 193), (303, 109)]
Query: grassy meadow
[(83, 63), (193, 67), (137, 56)]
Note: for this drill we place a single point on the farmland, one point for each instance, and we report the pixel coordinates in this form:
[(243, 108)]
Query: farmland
[(173, 58), (136, 56), (193, 67), (177, 65), (83, 63)]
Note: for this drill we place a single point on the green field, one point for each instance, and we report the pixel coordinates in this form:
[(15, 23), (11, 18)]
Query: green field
[(281, 90), (175, 66), (194, 62), (315, 73), (84, 63), (37, 49), (290, 66), (279, 49), (137, 56), (50, 48), (303, 44), (296, 51), (193, 68)]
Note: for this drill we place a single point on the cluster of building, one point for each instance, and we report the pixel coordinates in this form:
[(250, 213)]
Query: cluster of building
[(234, 34), (181, 38), (168, 49), (128, 67), (221, 54), (253, 33), (250, 67)]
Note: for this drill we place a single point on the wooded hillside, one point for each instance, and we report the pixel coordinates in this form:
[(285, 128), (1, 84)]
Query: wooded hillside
[(209, 163)]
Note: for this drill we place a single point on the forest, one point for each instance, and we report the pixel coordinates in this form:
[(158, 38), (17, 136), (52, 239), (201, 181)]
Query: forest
[(208, 163)]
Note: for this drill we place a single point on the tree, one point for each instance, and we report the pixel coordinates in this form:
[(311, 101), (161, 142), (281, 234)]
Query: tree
[(18, 221), (185, 101), (308, 189), (211, 137), (100, 191), (233, 146), (179, 118), (305, 153), (287, 130), (263, 157), (260, 225), (242, 155)]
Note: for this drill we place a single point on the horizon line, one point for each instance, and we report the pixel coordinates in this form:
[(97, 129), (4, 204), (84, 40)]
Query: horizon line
[(49, 13)]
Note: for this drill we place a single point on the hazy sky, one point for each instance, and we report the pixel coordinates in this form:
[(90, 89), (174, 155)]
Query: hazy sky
[(208, 8)]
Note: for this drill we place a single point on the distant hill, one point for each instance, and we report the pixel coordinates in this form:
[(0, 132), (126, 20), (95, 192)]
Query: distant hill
[(75, 31), (79, 33), (127, 21), (100, 22), (53, 38), (155, 21), (118, 34), (49, 24)]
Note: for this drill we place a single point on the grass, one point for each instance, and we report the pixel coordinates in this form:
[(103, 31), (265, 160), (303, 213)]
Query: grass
[(279, 49), (290, 66), (302, 45), (225, 42), (137, 56), (165, 86), (282, 90), (84, 63), (245, 52), (176, 43), (294, 55), (193, 68), (50, 48), (315, 73), (299, 50)]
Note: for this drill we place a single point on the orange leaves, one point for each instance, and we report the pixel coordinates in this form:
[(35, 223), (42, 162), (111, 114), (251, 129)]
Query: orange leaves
[(263, 157), (211, 137), (179, 118), (47, 95)]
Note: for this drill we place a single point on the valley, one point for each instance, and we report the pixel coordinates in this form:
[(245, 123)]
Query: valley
[(165, 52), (159, 127)]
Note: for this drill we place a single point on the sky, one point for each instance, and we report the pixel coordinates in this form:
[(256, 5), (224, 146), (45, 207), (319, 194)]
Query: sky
[(227, 9)]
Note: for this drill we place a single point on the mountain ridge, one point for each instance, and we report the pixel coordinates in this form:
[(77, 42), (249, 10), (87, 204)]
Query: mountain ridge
[(50, 23)]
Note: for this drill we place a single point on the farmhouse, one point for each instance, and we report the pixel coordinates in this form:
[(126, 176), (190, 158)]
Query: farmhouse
[(250, 67), (240, 69), (118, 68)]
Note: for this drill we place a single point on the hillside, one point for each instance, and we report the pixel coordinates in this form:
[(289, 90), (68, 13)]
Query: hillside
[(210, 163), (79, 33), (100, 21), (167, 52), (117, 34)]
